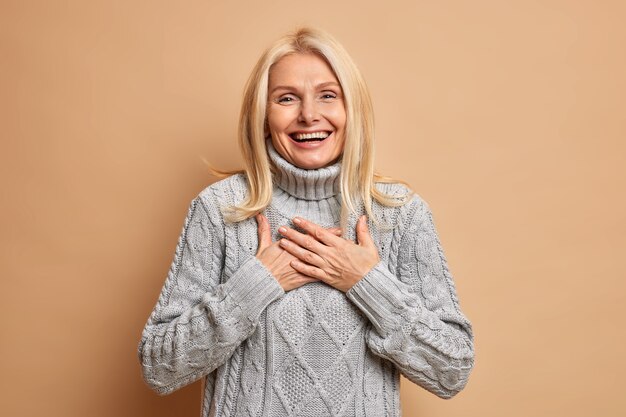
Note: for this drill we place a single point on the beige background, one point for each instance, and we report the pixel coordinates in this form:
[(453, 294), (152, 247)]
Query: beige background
[(508, 117)]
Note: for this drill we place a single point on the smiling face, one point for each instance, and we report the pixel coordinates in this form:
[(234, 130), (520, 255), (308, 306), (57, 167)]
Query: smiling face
[(306, 115)]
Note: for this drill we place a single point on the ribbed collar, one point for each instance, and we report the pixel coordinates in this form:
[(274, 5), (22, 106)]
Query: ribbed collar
[(305, 184)]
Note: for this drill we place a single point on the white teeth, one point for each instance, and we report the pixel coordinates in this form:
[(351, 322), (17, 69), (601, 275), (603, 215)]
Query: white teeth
[(314, 135)]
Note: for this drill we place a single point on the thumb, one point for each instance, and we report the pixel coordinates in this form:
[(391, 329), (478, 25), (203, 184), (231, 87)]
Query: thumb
[(363, 233), (265, 237)]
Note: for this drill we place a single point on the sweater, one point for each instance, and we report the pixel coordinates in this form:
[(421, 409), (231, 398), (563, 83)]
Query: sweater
[(312, 351)]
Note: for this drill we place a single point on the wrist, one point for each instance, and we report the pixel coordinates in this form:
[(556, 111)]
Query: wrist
[(367, 267)]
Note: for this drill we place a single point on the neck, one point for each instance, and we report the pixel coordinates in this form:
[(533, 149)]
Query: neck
[(304, 184)]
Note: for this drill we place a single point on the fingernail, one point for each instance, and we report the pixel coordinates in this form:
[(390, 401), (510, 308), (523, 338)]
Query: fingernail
[(282, 229), (297, 220)]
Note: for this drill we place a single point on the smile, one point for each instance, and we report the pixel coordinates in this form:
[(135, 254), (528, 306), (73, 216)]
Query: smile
[(310, 137)]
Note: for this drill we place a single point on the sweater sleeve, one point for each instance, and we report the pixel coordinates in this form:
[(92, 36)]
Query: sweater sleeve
[(197, 322), (416, 321)]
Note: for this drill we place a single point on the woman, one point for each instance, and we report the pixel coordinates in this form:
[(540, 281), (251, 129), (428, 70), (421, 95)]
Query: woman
[(280, 310)]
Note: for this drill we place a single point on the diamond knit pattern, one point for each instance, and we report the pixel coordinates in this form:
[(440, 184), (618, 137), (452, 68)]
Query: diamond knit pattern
[(313, 351), (317, 349)]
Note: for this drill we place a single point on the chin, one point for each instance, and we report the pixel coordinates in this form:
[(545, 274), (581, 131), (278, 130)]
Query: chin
[(310, 159), (308, 155), (313, 163)]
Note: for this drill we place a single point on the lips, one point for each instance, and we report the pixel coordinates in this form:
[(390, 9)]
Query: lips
[(318, 136)]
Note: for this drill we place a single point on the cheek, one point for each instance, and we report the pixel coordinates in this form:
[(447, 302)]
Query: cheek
[(273, 117), (338, 117), (279, 119)]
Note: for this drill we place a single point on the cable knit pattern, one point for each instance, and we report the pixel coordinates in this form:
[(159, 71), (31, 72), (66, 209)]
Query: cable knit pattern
[(313, 351)]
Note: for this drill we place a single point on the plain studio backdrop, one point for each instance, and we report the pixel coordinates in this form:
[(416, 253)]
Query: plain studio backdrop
[(508, 117)]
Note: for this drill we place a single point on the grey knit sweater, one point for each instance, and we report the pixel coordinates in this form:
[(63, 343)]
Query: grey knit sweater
[(313, 351)]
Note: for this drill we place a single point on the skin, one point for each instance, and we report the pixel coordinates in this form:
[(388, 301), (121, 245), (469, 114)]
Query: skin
[(304, 95), (318, 255), (334, 260), (277, 260)]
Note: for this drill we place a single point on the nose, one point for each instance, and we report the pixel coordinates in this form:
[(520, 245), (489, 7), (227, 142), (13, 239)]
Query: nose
[(309, 111)]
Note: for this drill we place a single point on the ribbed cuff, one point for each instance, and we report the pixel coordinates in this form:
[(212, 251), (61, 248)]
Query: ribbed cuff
[(252, 287), (382, 297)]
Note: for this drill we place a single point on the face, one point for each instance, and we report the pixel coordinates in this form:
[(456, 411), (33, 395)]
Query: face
[(306, 116)]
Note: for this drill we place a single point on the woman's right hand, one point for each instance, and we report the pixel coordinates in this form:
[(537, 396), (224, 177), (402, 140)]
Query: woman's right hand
[(277, 260)]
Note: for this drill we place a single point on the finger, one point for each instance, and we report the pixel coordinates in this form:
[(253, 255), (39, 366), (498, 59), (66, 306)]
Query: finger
[(299, 282), (307, 280), (309, 270), (318, 232), (301, 253), (363, 233), (304, 240), (336, 231), (265, 236)]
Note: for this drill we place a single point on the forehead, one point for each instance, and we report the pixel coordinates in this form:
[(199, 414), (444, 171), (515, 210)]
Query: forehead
[(301, 68)]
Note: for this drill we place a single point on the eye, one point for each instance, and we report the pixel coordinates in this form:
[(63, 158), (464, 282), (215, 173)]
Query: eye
[(286, 99), (328, 96)]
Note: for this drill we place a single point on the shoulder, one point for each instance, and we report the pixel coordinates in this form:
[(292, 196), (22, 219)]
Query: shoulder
[(393, 189), (397, 191), (227, 191), (409, 214), (221, 194)]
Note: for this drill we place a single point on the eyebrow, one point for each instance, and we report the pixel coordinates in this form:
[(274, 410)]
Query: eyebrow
[(320, 85)]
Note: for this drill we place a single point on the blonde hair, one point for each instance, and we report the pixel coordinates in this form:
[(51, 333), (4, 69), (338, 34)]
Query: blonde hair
[(357, 176)]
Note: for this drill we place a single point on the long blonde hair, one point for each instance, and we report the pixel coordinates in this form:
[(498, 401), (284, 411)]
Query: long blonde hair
[(357, 176)]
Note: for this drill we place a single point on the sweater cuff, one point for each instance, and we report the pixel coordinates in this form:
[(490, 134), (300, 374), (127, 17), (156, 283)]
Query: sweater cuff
[(383, 298), (252, 287)]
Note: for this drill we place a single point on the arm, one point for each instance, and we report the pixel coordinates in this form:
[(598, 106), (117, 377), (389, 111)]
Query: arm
[(198, 323), (416, 320)]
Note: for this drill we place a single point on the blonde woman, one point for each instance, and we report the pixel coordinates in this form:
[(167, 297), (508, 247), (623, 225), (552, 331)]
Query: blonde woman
[(305, 284)]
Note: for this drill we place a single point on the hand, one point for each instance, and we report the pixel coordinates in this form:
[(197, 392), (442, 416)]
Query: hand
[(277, 260), (338, 262)]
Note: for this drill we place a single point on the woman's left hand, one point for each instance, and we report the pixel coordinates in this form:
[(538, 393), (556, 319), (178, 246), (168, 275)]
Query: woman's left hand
[(334, 260)]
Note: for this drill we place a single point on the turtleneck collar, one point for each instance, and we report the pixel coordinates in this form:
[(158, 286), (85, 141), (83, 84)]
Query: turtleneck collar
[(305, 184)]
